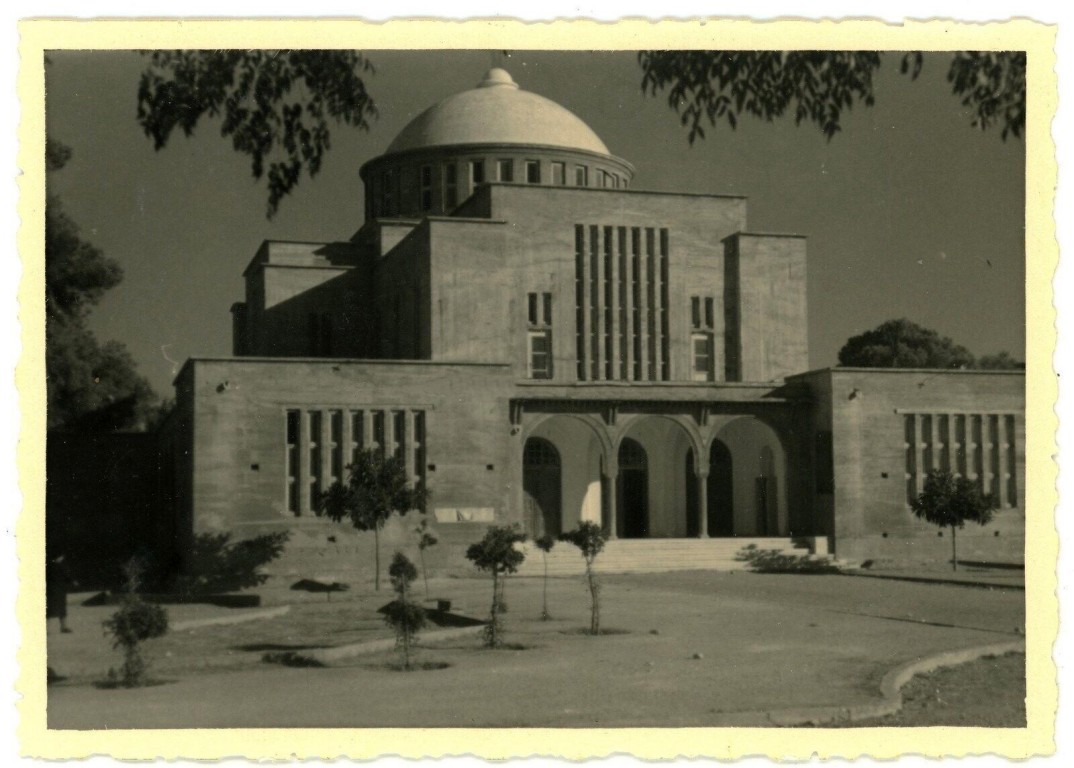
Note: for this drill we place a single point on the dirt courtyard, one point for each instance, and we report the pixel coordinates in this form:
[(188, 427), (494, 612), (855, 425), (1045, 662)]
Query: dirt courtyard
[(693, 649)]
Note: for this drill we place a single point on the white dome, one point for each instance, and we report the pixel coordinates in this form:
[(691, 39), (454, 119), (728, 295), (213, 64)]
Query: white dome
[(497, 112)]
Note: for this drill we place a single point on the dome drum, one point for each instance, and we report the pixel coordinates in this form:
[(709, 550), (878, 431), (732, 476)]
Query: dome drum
[(434, 181)]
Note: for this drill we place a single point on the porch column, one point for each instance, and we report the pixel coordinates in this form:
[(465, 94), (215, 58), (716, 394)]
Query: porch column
[(702, 475), (611, 480)]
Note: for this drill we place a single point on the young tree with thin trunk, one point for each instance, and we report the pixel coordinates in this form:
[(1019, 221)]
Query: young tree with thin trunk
[(426, 539), (377, 487), (590, 539), (545, 544), (497, 554), (951, 502)]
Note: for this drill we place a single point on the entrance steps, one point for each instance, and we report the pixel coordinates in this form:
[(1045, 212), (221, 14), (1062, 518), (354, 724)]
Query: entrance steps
[(656, 555)]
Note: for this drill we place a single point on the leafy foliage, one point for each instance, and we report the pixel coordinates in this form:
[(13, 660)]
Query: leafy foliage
[(776, 561), (377, 487), (219, 565), (1001, 361), (405, 617), (135, 622), (950, 502), (817, 86), (92, 387), (274, 105), (903, 344), (590, 539), (498, 554)]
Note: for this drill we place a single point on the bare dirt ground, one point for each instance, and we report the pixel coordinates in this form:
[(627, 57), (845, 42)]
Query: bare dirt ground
[(697, 649)]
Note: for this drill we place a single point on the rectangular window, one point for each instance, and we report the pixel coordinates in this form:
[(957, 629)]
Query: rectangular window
[(539, 336), (579, 301), (701, 344), (581, 176), (477, 172), (358, 423), (540, 354), (505, 170), (709, 313), (559, 174), (378, 432), (399, 435), (426, 187), (533, 172), (451, 186)]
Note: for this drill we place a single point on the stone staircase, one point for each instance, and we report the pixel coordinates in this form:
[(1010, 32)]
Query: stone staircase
[(656, 555)]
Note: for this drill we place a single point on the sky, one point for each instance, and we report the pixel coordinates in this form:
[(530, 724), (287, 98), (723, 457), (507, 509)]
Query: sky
[(909, 210)]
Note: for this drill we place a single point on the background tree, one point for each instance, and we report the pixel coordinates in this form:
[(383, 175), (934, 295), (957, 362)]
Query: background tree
[(377, 487), (91, 387), (275, 106), (903, 344), (498, 555), (404, 616), (951, 502), (426, 539), (816, 86), (1001, 361), (590, 539), (545, 544)]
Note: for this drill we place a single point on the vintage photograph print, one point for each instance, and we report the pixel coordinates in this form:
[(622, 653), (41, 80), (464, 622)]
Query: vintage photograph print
[(536, 389)]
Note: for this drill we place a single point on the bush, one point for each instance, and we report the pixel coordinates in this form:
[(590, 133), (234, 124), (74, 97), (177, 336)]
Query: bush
[(405, 617), (135, 622), (218, 565), (777, 561)]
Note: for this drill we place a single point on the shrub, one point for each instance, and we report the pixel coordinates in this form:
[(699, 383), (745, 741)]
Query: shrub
[(590, 539), (777, 561), (135, 622), (219, 565), (497, 554), (404, 616)]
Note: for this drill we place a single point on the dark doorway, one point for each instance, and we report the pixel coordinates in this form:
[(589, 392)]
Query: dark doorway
[(720, 492), (633, 491), (541, 484)]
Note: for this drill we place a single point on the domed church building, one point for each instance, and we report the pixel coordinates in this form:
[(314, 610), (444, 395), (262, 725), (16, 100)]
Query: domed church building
[(544, 344)]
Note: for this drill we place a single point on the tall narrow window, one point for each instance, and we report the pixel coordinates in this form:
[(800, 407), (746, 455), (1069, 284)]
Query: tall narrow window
[(477, 172), (539, 336), (316, 486), (335, 446), (293, 426), (533, 172), (701, 317), (358, 442), (451, 186), (559, 174), (387, 193), (426, 187), (505, 170), (581, 176)]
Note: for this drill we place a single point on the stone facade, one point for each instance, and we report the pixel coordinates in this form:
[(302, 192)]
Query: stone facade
[(546, 351)]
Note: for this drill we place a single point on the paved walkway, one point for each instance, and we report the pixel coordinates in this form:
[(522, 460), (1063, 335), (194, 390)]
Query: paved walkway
[(967, 575), (700, 649)]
